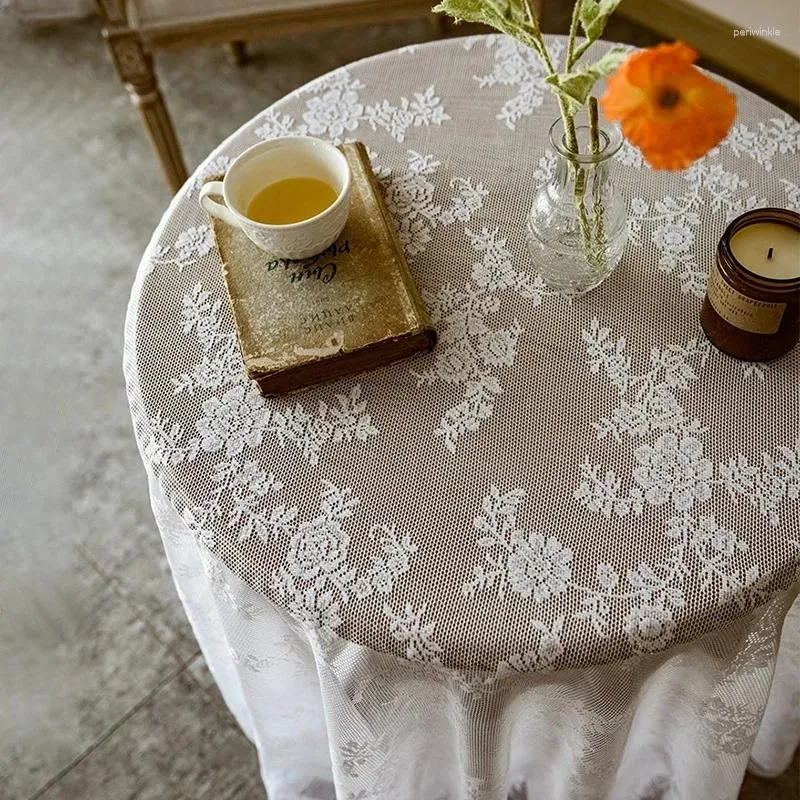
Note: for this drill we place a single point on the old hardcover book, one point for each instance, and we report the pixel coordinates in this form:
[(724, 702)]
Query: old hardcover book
[(352, 308)]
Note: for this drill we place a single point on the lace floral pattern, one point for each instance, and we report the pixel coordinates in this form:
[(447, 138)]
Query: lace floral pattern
[(190, 245), (539, 568), (498, 557), (763, 144), (233, 422), (409, 628), (240, 418), (672, 222), (529, 564), (592, 470), (516, 66), (470, 349), (335, 111), (674, 467), (410, 200)]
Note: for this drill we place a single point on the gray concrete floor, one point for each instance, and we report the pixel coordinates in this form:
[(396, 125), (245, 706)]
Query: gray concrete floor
[(105, 695)]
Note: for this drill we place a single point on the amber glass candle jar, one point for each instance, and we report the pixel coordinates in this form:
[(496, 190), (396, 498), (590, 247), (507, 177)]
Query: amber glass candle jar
[(752, 306)]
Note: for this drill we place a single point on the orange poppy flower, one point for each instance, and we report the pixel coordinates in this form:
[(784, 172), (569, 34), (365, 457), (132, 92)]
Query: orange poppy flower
[(667, 107)]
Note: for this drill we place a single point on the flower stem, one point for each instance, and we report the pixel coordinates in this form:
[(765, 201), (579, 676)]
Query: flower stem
[(594, 131), (568, 118), (569, 127), (583, 217), (545, 53), (573, 33), (579, 188), (597, 183)]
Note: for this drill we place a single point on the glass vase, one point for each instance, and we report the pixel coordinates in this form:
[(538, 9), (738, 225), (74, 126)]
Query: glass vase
[(577, 227)]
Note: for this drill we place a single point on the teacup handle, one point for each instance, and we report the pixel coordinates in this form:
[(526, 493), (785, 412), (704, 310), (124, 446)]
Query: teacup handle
[(215, 208)]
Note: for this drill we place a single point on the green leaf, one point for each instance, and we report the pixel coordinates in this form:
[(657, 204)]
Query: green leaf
[(594, 15), (483, 10), (572, 88), (506, 16), (575, 87), (609, 61)]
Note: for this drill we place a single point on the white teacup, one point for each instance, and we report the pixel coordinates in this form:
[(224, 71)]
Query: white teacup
[(275, 160)]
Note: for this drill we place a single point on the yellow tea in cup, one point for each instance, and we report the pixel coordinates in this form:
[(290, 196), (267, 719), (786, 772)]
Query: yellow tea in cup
[(291, 200)]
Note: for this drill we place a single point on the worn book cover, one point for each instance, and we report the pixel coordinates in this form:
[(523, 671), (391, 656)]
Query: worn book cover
[(351, 308)]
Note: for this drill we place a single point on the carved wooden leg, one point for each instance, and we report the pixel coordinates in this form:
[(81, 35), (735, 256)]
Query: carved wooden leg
[(237, 52), (135, 67)]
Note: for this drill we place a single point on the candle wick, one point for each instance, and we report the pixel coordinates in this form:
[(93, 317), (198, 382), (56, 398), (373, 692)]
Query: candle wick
[(769, 255)]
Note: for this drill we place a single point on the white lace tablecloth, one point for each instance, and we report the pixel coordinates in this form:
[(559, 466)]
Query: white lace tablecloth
[(553, 558)]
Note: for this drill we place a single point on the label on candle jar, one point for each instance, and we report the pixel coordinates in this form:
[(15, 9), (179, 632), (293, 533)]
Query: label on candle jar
[(741, 311)]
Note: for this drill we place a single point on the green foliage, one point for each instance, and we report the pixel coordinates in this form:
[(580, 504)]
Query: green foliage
[(491, 12), (575, 87), (594, 15), (572, 87), (506, 16), (515, 18)]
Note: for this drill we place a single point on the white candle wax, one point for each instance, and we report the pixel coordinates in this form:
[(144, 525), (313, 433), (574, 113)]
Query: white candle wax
[(769, 249)]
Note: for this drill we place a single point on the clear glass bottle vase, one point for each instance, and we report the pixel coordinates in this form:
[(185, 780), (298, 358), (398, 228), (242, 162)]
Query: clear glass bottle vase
[(577, 227)]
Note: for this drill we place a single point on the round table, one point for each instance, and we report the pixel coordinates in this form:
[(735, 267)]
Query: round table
[(550, 559)]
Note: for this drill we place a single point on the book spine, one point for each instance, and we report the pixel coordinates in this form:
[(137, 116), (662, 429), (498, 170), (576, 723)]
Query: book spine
[(422, 318)]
